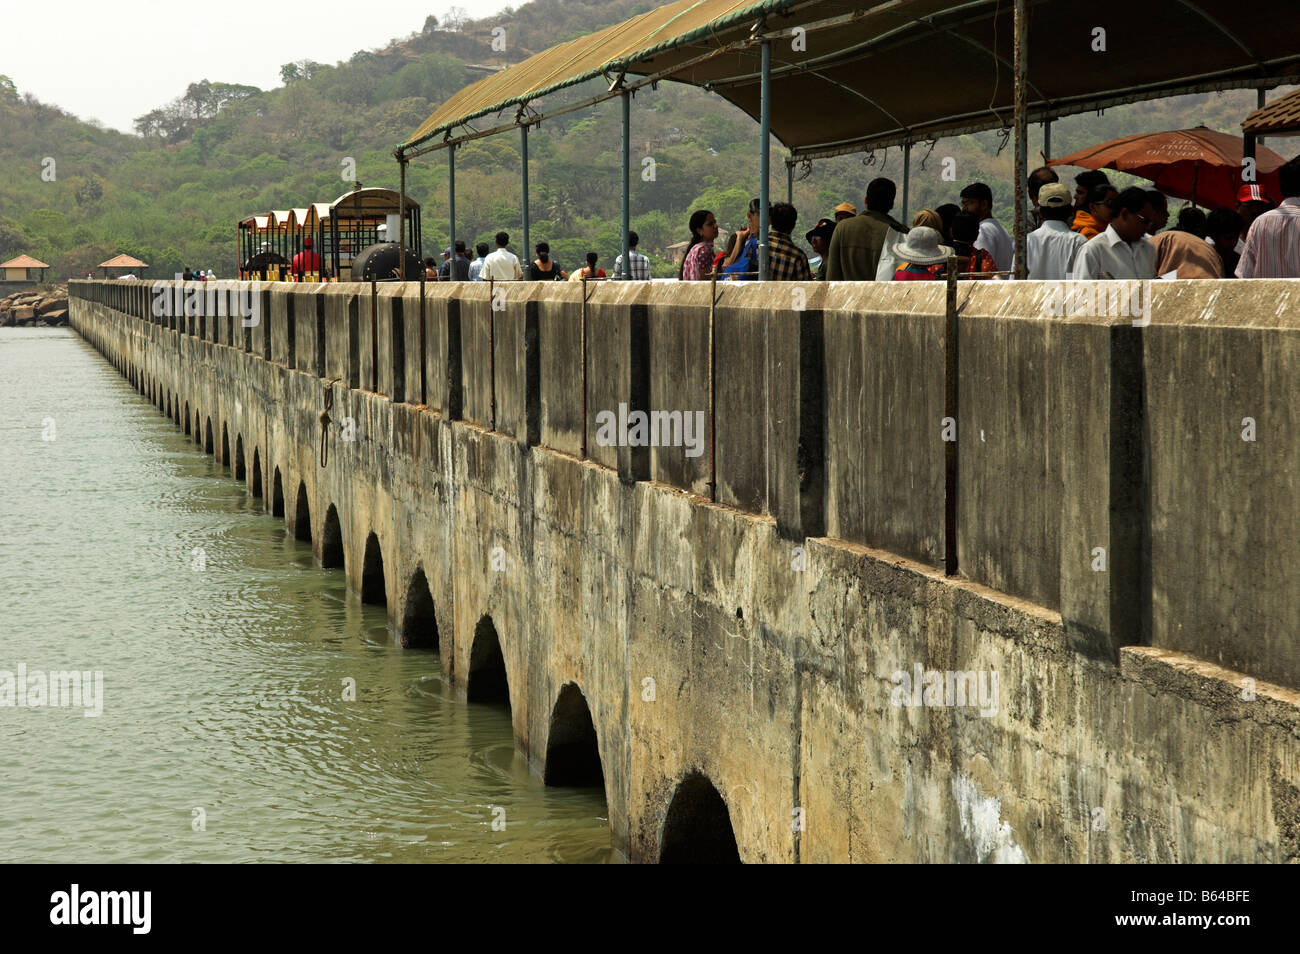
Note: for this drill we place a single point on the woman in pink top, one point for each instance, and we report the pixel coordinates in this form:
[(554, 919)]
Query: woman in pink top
[(697, 263)]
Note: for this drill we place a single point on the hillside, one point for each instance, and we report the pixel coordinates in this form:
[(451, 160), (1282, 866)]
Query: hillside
[(171, 193)]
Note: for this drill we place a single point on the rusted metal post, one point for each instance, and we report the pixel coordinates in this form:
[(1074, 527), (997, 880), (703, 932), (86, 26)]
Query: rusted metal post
[(451, 211), (1021, 133), (713, 457), (907, 180), (401, 218), (764, 158), (523, 150), (950, 432), (582, 352)]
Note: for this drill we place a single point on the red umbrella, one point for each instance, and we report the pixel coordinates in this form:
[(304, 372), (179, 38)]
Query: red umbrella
[(1198, 164)]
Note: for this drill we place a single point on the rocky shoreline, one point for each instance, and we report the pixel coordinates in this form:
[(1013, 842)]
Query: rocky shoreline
[(35, 308)]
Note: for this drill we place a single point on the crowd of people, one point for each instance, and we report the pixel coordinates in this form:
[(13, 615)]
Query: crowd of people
[(502, 265), (1097, 232)]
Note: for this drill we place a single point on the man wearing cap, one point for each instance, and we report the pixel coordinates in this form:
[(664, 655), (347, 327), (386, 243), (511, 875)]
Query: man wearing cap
[(1273, 242), (819, 237), (1052, 248), (845, 210), (305, 261), (1251, 204)]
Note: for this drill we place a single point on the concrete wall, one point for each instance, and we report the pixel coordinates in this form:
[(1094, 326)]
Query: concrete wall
[(758, 639)]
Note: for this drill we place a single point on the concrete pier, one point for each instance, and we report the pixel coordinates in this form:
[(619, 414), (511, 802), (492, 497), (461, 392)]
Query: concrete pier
[(735, 626)]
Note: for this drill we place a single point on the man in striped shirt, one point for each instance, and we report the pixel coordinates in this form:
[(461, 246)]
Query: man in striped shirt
[(1273, 242)]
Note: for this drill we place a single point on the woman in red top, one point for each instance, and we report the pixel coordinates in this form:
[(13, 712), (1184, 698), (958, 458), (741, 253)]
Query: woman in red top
[(590, 272)]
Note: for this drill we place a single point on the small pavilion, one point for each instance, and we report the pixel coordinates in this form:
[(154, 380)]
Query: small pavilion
[(121, 263)]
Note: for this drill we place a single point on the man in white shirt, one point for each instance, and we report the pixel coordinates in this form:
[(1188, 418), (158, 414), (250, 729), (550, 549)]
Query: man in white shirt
[(977, 199), (1122, 251), (502, 265), (1052, 248)]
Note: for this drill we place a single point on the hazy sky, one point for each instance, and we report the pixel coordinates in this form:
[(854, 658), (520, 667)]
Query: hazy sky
[(114, 62)]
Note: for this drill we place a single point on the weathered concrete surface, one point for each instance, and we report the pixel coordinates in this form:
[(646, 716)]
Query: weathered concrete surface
[(772, 655)]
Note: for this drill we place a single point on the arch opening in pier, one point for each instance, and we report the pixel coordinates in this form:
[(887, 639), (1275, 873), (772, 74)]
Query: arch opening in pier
[(225, 446), (187, 418), (487, 680), (198, 428), (572, 749), (277, 495), (331, 541), (697, 828), (302, 515), (257, 472), (240, 473), (373, 589), (207, 436), (419, 622)]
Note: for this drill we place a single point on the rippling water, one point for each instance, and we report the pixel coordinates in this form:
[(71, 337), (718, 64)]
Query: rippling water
[(223, 686)]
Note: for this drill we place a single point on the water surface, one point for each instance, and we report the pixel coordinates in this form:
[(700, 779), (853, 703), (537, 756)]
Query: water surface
[(224, 651)]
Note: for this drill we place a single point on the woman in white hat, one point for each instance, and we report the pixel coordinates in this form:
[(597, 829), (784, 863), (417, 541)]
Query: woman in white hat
[(920, 257)]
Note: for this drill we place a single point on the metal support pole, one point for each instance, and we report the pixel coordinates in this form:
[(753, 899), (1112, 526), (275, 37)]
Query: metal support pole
[(523, 144), (1259, 104), (789, 183), (626, 220), (451, 211), (765, 159), (1021, 133), (907, 180), (1047, 139), (401, 218), (950, 391)]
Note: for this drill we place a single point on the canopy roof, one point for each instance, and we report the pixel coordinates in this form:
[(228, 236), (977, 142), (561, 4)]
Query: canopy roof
[(863, 75), (23, 261), (1280, 116), (369, 203), (123, 261)]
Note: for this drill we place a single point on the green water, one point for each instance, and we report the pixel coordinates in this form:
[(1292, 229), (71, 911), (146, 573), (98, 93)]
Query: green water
[(223, 685)]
